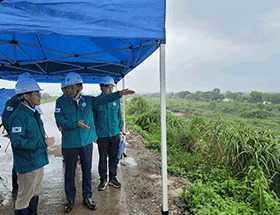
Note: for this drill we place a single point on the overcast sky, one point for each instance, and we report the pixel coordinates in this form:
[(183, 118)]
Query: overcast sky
[(230, 45)]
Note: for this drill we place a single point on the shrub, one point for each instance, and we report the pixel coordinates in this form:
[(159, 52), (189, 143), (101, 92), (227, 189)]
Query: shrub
[(261, 114)]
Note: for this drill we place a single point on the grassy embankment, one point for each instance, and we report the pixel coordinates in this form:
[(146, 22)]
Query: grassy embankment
[(232, 161), (255, 114)]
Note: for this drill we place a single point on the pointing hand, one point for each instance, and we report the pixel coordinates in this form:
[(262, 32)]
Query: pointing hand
[(126, 92)]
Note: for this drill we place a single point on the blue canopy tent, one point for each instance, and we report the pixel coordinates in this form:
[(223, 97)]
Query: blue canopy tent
[(51, 38)]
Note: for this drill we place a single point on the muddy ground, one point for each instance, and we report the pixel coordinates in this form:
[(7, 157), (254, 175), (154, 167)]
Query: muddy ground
[(143, 182)]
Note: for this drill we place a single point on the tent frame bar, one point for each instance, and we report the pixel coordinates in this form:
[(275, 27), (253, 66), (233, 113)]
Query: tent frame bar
[(96, 53), (129, 59), (8, 59), (14, 50), (81, 55), (4, 43), (102, 71), (148, 52), (20, 65), (34, 62), (141, 48), (24, 69), (4, 63), (103, 61), (69, 64)]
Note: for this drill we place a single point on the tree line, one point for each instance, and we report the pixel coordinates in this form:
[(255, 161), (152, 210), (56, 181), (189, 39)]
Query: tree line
[(216, 95)]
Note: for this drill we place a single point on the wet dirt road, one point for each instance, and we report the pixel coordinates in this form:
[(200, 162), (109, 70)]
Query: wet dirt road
[(52, 198)]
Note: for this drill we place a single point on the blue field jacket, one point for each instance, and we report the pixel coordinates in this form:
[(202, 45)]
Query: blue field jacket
[(67, 116), (28, 140), (108, 119)]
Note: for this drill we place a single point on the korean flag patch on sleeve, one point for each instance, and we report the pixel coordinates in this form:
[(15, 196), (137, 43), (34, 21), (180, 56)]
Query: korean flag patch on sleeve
[(57, 110), (10, 108), (16, 129)]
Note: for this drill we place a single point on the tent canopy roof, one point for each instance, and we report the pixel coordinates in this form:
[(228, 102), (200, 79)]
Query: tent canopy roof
[(93, 38)]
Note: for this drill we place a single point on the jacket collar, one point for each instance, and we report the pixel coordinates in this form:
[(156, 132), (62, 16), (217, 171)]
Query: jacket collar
[(29, 110), (81, 99)]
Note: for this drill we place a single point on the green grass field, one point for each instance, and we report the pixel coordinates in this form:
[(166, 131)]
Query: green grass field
[(229, 151), (256, 114)]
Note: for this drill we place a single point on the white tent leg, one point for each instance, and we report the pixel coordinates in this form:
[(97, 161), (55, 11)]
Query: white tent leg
[(124, 125), (163, 129)]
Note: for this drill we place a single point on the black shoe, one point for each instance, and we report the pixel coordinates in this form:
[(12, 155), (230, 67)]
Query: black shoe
[(33, 205), (114, 182), (69, 206), (14, 193), (22, 212), (102, 185), (89, 203)]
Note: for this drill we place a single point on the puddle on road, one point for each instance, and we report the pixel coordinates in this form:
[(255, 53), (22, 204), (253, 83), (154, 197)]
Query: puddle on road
[(130, 161), (155, 176), (6, 157)]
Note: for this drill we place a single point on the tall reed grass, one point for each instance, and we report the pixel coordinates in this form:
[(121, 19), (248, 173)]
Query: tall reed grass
[(235, 164)]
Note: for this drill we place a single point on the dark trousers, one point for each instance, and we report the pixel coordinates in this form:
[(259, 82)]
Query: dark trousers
[(71, 158), (14, 179), (108, 146)]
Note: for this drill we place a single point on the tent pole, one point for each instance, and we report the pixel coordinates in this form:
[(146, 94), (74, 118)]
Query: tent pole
[(163, 129), (124, 125)]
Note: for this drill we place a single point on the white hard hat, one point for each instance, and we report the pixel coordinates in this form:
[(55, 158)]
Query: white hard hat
[(63, 84), (25, 75), (26, 85), (73, 78), (107, 80)]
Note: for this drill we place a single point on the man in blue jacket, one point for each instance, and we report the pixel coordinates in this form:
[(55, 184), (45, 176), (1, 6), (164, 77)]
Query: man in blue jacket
[(74, 114), (108, 123), (10, 106), (29, 145)]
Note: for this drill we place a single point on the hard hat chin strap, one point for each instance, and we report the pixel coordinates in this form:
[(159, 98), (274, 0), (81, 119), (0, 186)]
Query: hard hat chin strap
[(24, 99), (102, 88), (77, 92)]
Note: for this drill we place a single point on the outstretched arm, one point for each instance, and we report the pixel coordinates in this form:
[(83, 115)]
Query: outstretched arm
[(126, 92), (105, 98)]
